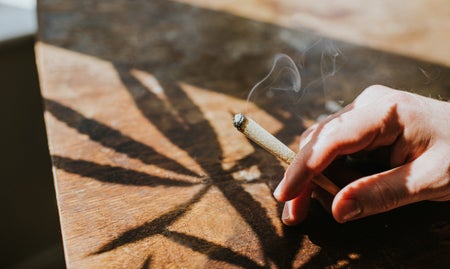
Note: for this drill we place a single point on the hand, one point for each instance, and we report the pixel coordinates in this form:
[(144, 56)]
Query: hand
[(414, 129)]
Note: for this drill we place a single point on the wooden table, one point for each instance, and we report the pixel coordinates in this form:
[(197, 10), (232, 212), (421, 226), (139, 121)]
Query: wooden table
[(149, 171)]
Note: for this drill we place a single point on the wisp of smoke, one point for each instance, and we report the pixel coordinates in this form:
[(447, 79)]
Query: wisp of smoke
[(331, 60), (283, 76), (280, 90)]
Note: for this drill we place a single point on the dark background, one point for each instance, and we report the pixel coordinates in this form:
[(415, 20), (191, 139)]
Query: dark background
[(30, 232)]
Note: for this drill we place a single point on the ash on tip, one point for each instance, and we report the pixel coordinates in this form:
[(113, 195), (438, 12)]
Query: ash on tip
[(238, 120)]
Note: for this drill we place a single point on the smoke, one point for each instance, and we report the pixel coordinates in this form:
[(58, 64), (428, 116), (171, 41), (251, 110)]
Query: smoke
[(283, 76), (329, 59), (330, 62), (281, 89)]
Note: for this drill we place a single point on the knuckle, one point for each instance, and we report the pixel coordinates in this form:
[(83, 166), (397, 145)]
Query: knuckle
[(386, 197), (376, 88), (400, 97), (405, 104), (324, 137), (372, 93)]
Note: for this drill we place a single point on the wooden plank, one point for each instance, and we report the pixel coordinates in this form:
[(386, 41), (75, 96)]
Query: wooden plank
[(149, 170), (417, 29)]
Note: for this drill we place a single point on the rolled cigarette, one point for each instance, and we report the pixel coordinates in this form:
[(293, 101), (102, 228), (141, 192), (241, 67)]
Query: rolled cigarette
[(267, 141)]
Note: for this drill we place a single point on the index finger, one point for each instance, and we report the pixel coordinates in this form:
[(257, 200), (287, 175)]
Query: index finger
[(364, 127)]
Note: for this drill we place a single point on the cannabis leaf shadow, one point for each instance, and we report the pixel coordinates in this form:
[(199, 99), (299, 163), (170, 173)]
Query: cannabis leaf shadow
[(192, 138), (224, 53)]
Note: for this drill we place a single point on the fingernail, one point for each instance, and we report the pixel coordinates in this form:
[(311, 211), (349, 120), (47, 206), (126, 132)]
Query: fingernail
[(277, 191), (286, 216), (350, 209)]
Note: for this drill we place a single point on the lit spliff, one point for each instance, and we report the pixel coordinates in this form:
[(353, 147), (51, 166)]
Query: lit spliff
[(270, 143)]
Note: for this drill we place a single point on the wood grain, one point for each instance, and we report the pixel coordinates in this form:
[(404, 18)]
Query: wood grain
[(149, 170)]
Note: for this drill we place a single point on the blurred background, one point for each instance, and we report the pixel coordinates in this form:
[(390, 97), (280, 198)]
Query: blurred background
[(30, 233)]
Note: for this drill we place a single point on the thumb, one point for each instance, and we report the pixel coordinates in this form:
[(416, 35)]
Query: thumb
[(385, 191)]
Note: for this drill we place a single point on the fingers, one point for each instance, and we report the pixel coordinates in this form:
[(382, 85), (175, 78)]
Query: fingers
[(348, 132), (412, 182), (296, 210), (407, 124)]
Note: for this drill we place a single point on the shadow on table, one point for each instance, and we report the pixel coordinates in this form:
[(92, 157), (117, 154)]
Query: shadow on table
[(228, 54)]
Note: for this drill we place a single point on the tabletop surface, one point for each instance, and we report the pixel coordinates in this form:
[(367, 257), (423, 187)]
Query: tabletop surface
[(150, 172)]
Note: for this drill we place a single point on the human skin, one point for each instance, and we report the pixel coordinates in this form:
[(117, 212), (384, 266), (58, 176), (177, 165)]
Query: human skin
[(414, 129)]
